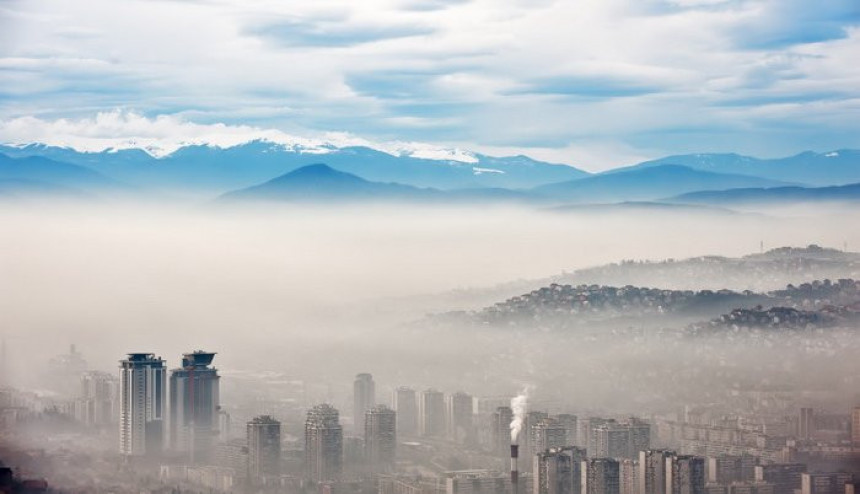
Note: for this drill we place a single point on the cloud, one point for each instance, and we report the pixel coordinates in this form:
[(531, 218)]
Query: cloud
[(298, 33), (537, 75)]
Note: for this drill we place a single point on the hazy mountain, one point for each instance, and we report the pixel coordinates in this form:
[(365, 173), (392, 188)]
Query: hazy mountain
[(830, 168), (26, 189), (215, 168), (321, 182), (647, 184), (642, 207), (40, 174), (772, 195)]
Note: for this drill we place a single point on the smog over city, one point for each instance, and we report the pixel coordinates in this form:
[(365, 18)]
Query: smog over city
[(430, 247)]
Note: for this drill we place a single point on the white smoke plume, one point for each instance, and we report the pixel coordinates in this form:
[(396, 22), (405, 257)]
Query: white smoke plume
[(519, 405)]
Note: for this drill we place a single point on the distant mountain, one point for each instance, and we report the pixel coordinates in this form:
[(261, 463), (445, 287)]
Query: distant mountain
[(772, 195), (321, 182), (647, 184), (222, 169), (642, 206), (831, 168), (43, 175), (31, 189)]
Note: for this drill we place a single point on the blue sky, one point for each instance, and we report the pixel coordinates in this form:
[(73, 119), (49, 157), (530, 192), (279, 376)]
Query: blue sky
[(595, 83)]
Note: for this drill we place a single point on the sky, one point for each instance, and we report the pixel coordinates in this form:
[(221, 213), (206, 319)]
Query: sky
[(591, 83)]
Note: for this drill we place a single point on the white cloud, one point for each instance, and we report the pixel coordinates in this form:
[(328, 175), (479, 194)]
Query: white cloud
[(469, 72)]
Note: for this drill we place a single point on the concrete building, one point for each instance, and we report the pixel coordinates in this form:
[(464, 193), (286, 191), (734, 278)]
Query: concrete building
[(323, 444), (626, 439), (640, 436), (611, 440), (806, 425), (652, 470), (194, 405), (784, 476), (685, 474), (824, 483), (406, 406), (483, 482), (460, 418), (143, 404), (380, 438), (264, 448), (547, 434), (569, 422), (855, 427), (728, 469), (628, 473), (558, 471), (601, 476), (501, 431), (364, 398), (98, 404), (431, 413)]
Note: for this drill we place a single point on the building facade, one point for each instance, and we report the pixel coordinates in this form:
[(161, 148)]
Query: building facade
[(406, 406), (380, 438), (323, 444), (143, 404), (364, 398), (264, 448), (194, 405), (432, 413)]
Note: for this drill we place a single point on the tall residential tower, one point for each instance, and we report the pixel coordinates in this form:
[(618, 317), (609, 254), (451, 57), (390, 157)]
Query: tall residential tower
[(143, 385)]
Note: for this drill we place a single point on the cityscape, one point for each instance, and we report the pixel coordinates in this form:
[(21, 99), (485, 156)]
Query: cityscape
[(157, 426)]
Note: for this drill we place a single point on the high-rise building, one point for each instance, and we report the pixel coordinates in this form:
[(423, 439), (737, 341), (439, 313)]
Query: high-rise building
[(558, 471), (547, 434), (364, 398), (569, 422), (264, 448), (98, 403), (729, 469), (501, 431), (640, 436), (225, 426), (806, 425), (525, 438), (824, 483), (143, 386), (63, 372), (380, 438), (628, 473), (601, 476), (611, 440), (685, 474), (855, 427), (483, 482), (5, 368), (194, 404), (460, 418), (652, 470), (784, 476), (406, 406), (586, 435), (323, 444), (432, 413)]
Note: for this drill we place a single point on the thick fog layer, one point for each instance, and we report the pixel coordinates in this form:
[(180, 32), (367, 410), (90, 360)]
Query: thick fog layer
[(324, 291)]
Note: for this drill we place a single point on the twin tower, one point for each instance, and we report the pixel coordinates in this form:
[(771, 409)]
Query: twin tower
[(187, 424)]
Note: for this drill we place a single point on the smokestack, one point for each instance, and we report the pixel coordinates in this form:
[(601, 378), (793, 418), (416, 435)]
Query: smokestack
[(515, 474)]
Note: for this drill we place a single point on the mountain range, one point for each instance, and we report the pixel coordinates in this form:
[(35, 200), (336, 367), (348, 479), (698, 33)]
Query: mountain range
[(263, 170)]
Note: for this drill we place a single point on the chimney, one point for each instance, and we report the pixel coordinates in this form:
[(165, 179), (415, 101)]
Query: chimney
[(515, 453)]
